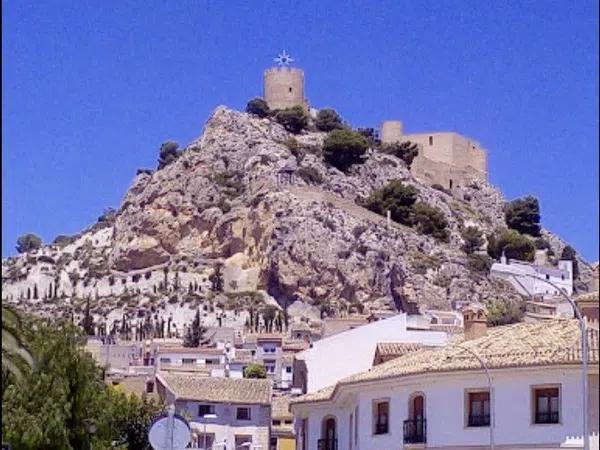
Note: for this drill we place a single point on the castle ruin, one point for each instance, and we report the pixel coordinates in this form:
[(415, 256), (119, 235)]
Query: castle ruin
[(444, 158), (284, 88)]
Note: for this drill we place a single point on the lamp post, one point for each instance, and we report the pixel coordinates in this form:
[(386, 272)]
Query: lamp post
[(490, 388), (584, 351), (206, 417)]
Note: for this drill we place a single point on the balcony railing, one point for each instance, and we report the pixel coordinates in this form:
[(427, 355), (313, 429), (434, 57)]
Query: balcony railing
[(546, 417), (415, 431), (479, 420), (381, 428), (327, 444)]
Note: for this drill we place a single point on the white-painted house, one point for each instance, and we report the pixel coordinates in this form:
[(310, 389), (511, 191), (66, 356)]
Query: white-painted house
[(224, 413), (440, 398), (521, 275), (350, 352)]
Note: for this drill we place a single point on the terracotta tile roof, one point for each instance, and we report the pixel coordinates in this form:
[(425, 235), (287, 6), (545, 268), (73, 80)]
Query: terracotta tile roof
[(295, 345), (397, 348), (588, 297), (190, 369), (280, 407), (191, 350), (299, 326), (218, 390), (552, 342)]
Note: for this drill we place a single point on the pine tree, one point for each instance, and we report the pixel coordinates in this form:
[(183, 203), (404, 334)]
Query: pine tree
[(195, 332), (88, 321)]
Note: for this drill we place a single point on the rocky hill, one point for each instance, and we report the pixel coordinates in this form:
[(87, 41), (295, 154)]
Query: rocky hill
[(215, 229)]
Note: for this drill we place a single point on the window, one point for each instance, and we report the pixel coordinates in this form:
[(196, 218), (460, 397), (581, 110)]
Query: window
[(203, 410), (188, 361), (546, 404), (276, 422), (288, 369), (243, 413), (290, 90), (288, 422), (381, 413), (479, 409), (430, 140), (547, 277), (205, 440), (304, 434), (242, 439), (165, 360)]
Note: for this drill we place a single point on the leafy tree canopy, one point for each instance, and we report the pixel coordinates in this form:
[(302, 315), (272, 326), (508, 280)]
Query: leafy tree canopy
[(328, 120), (570, 254), (473, 239), (195, 332), (28, 242), (258, 107), (168, 153), (523, 215), (344, 148), (255, 371), (293, 119), (406, 151), (512, 243)]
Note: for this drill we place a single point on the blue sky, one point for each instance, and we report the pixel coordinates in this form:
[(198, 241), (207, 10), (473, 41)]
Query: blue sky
[(91, 89)]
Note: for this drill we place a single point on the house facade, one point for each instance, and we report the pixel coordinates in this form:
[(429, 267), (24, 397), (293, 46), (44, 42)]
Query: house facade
[(223, 413), (441, 398)]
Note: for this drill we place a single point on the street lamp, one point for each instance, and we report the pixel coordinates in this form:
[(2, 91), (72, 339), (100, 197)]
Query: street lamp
[(584, 350), (207, 417), (490, 388)]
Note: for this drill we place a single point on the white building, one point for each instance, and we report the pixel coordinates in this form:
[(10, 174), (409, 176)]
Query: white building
[(440, 398), (214, 361), (350, 352), (520, 274), (224, 413)]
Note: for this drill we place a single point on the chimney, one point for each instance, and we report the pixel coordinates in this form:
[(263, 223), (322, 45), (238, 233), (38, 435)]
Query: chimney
[(475, 321)]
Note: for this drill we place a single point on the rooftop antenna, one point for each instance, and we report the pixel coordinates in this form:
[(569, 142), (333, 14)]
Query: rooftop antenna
[(283, 59)]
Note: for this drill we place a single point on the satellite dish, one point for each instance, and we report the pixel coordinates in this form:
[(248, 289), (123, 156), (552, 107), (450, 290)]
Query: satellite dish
[(169, 432)]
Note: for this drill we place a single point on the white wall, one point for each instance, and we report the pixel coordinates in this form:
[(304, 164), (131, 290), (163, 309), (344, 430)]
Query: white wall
[(445, 410), (530, 286), (352, 351), (226, 426)]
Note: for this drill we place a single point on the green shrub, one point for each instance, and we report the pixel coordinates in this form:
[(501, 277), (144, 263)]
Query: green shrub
[(255, 371), (310, 175), (293, 119), (473, 239), (504, 312), (258, 107), (406, 151), (512, 243), (343, 148), (395, 197), (28, 242), (439, 187), (328, 120), (570, 254), (168, 153), (523, 215), (294, 147), (63, 240), (231, 181), (430, 220), (478, 263)]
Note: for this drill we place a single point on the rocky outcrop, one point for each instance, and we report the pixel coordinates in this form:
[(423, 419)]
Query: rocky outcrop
[(222, 204)]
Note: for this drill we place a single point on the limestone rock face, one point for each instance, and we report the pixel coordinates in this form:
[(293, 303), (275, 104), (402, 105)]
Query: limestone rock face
[(221, 219)]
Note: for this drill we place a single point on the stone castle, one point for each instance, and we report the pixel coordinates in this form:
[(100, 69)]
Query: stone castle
[(445, 158)]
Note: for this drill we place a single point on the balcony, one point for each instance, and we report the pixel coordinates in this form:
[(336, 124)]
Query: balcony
[(482, 420), (327, 444), (415, 431)]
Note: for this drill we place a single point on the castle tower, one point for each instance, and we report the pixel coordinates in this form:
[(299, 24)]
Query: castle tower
[(391, 131), (284, 85)]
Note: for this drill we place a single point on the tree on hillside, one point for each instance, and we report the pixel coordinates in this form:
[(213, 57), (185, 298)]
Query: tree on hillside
[(523, 215), (258, 107), (293, 119), (473, 239), (328, 120), (570, 254), (28, 242), (195, 332), (268, 314), (344, 148), (430, 220), (512, 243), (88, 321), (406, 151), (168, 153), (396, 197)]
